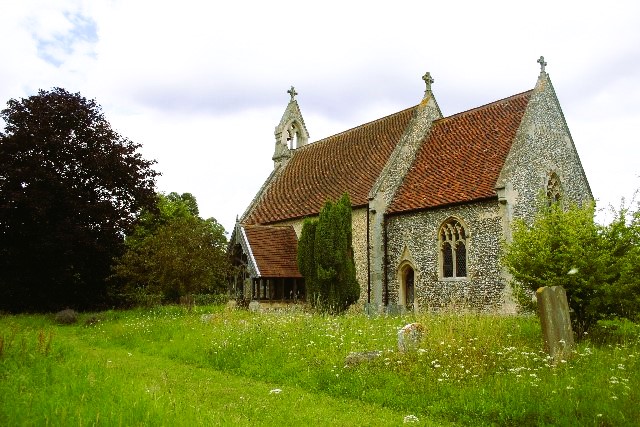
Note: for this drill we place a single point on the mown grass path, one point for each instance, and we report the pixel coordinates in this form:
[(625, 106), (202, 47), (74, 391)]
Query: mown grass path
[(166, 366), (81, 380)]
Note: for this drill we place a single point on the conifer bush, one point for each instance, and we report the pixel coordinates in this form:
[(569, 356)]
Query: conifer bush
[(325, 258)]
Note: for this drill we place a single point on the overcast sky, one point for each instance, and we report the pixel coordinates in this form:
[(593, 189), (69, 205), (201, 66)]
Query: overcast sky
[(202, 84)]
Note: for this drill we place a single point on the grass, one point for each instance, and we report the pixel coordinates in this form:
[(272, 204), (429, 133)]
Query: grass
[(167, 366)]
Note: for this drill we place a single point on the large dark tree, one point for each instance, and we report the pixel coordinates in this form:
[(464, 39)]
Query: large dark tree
[(70, 189)]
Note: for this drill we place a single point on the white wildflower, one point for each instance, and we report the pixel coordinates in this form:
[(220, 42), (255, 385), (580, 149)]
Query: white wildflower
[(275, 391), (410, 419)]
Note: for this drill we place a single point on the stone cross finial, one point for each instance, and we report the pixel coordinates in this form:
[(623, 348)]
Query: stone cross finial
[(292, 92), (542, 64), (428, 80)]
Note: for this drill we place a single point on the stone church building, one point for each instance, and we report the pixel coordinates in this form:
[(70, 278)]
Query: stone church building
[(433, 197)]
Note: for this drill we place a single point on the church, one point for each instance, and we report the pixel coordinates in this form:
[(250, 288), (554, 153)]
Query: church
[(433, 198)]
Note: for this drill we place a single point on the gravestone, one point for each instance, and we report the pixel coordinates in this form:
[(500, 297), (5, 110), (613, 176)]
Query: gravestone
[(410, 337), (553, 311)]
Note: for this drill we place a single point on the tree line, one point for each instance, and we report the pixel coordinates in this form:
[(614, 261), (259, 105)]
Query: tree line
[(81, 223)]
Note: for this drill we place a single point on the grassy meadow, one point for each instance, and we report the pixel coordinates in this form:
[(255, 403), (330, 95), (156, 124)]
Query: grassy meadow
[(214, 366)]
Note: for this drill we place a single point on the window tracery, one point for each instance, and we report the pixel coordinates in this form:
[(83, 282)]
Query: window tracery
[(453, 248), (554, 189)]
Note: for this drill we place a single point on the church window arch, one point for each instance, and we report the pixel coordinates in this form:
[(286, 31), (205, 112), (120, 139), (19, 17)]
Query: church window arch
[(453, 239), (554, 189)]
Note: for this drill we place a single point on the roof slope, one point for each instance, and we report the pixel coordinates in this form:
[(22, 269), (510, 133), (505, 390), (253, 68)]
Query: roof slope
[(350, 161), (274, 250), (461, 158)]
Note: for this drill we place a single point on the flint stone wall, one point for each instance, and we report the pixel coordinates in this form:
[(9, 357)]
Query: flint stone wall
[(542, 146), (413, 241)]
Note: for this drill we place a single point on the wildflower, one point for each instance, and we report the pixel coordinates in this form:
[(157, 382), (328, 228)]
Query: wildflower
[(275, 391), (573, 271), (410, 419)]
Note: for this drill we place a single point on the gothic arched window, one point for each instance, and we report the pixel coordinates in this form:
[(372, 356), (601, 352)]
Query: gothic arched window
[(554, 189), (453, 249)]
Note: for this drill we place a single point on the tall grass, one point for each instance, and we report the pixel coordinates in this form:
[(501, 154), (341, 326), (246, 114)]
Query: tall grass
[(212, 366)]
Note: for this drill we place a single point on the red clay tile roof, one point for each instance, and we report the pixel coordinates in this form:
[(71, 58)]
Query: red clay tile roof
[(350, 161), (274, 250), (462, 156)]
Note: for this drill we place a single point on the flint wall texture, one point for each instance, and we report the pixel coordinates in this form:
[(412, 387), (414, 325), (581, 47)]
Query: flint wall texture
[(543, 145), (413, 241)]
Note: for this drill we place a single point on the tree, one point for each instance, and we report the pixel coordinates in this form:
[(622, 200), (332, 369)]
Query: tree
[(173, 252), (325, 258), (306, 259), (597, 265), (70, 189)]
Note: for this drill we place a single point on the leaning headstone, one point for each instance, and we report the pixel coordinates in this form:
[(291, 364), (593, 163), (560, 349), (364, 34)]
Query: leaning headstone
[(553, 310), (410, 337)]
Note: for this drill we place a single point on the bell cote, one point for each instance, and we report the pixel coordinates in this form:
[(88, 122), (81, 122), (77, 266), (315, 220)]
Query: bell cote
[(291, 132)]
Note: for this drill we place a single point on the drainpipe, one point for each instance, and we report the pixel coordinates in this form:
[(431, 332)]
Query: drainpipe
[(368, 260), (384, 260)]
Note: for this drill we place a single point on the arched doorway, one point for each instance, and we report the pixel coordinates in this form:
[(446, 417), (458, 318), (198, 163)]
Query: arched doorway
[(408, 288)]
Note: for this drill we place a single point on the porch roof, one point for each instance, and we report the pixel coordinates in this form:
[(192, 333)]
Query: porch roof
[(272, 250)]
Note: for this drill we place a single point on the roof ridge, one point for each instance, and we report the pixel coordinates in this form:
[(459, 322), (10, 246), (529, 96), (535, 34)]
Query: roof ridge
[(488, 104), (357, 127)]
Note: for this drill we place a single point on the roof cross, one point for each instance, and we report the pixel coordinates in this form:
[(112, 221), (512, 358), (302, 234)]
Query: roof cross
[(542, 64), (292, 92), (428, 80)]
